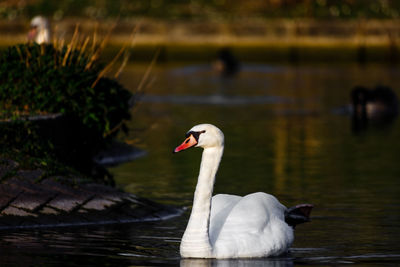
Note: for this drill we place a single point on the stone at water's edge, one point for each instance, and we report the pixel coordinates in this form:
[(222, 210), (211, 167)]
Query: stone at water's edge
[(118, 153), (26, 202)]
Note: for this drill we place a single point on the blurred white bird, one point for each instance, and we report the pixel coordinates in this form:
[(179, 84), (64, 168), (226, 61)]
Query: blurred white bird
[(40, 30)]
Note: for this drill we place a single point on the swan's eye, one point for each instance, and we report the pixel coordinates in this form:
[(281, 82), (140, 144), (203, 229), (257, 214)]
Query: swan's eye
[(195, 134)]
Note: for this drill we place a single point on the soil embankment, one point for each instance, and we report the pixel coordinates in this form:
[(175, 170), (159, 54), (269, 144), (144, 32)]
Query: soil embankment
[(251, 40)]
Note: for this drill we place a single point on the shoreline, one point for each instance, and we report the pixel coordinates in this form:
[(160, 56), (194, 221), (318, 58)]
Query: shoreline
[(28, 201), (251, 40)]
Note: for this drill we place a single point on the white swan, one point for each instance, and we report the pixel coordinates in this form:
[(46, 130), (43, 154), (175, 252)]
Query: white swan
[(229, 226), (40, 30)]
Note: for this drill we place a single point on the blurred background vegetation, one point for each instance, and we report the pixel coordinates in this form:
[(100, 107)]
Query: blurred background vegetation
[(201, 9), (290, 31)]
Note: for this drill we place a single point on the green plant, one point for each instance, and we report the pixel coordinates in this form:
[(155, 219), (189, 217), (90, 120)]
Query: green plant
[(40, 78), (69, 80)]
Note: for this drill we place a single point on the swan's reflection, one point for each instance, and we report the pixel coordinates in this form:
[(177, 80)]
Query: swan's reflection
[(264, 262)]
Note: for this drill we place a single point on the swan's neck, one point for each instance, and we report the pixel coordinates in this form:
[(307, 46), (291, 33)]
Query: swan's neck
[(43, 36), (195, 241)]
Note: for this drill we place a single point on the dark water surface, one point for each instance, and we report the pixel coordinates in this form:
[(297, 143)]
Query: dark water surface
[(286, 133)]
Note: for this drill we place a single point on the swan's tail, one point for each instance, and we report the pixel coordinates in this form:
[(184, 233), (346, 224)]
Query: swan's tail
[(298, 214)]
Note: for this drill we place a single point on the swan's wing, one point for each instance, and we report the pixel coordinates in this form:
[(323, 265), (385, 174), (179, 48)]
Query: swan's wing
[(221, 206), (222, 202), (253, 212), (254, 226)]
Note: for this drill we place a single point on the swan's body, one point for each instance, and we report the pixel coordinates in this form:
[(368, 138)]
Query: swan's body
[(229, 226), (226, 64), (378, 106), (249, 226), (40, 30)]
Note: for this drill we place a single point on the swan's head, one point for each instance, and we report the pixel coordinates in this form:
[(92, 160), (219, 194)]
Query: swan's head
[(202, 135)]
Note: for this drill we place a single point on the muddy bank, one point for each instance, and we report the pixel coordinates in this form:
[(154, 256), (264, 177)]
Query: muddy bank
[(29, 201), (250, 39)]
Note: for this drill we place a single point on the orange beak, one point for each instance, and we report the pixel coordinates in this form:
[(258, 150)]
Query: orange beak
[(189, 142), (32, 33)]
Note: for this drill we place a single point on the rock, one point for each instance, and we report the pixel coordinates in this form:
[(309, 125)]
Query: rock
[(29, 202), (118, 153)]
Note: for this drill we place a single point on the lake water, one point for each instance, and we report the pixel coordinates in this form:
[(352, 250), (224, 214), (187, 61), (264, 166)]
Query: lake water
[(286, 133)]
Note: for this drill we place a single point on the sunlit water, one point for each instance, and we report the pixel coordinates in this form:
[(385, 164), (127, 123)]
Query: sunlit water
[(286, 133)]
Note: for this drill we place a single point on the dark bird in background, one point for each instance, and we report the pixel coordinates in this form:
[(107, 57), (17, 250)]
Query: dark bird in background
[(226, 63), (377, 106)]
